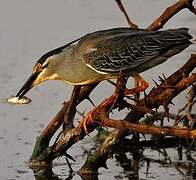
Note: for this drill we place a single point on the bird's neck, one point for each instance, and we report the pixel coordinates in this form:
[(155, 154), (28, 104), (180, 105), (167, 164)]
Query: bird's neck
[(72, 69), (66, 65)]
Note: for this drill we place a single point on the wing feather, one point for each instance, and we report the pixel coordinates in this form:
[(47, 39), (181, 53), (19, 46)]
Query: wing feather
[(116, 50)]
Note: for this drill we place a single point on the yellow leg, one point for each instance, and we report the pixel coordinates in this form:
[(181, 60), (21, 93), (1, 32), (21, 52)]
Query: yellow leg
[(86, 121), (90, 117), (142, 86)]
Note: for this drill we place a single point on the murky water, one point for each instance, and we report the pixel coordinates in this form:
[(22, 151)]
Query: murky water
[(30, 28)]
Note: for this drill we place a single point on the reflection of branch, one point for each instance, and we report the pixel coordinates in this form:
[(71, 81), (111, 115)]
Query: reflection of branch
[(170, 12), (46, 172)]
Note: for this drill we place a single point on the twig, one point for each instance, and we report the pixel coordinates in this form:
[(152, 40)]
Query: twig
[(71, 109), (170, 12), (148, 129), (120, 5)]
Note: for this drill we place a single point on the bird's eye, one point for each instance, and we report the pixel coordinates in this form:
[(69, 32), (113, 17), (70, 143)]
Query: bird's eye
[(37, 68)]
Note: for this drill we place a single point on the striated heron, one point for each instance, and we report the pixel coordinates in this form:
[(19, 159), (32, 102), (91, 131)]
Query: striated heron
[(102, 55)]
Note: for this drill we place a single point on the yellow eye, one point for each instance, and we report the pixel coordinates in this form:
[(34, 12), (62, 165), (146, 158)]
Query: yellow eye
[(37, 68)]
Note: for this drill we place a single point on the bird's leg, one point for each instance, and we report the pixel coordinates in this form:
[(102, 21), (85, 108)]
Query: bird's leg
[(92, 117), (86, 121), (107, 105), (142, 86), (118, 88), (136, 95), (119, 91)]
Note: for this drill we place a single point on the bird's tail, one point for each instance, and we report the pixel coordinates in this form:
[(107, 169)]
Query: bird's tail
[(194, 41), (176, 36)]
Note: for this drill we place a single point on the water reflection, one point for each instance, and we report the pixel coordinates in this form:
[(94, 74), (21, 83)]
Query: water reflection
[(44, 173), (89, 177), (135, 164)]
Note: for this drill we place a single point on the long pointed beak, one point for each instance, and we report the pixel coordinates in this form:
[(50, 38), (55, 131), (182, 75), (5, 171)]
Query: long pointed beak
[(27, 85)]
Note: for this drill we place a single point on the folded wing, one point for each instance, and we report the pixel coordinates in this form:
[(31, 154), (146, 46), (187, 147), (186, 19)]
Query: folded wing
[(124, 48)]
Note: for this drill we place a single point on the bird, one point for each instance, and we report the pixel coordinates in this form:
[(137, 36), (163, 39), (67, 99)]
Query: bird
[(103, 54)]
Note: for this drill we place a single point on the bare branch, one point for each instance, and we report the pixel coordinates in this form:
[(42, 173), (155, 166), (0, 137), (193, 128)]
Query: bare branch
[(148, 129), (120, 5), (170, 12)]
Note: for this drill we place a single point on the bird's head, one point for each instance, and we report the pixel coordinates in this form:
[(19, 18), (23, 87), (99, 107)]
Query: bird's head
[(49, 67), (44, 69)]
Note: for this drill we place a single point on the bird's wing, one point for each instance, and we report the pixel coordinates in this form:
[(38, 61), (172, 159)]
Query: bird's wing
[(113, 52)]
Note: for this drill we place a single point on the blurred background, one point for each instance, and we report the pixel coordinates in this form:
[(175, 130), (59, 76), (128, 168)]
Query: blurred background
[(28, 29)]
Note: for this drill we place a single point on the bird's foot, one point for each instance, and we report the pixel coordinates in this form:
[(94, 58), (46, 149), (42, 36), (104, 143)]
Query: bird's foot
[(86, 121), (142, 87), (92, 118)]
